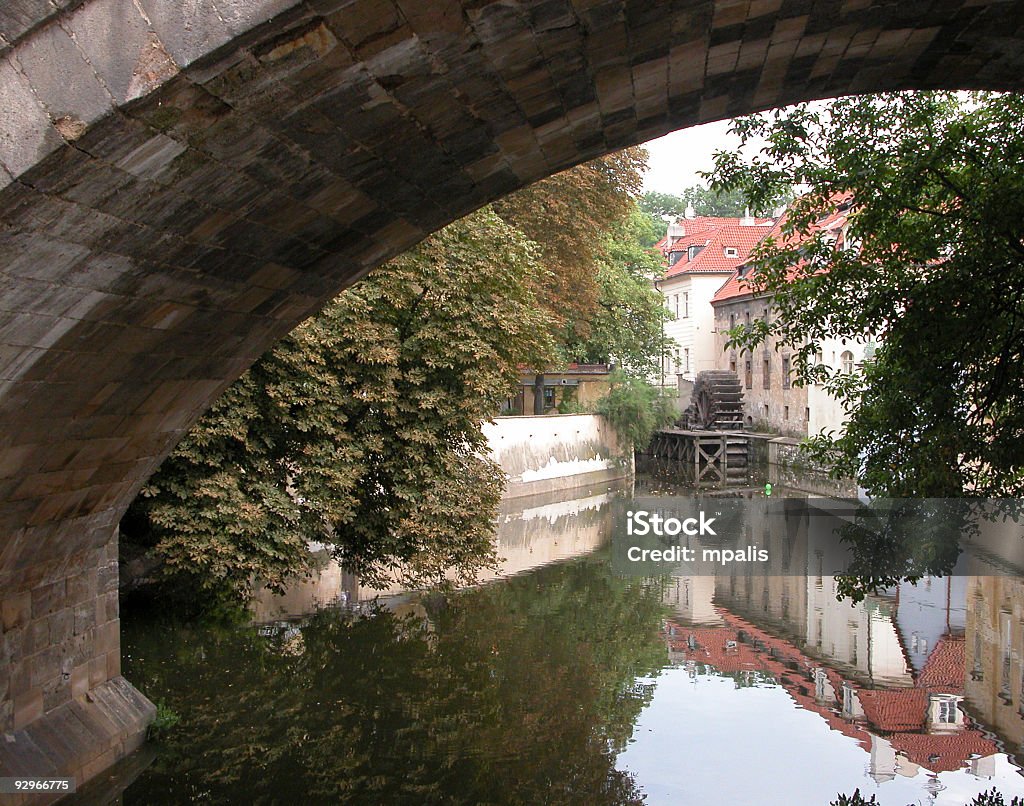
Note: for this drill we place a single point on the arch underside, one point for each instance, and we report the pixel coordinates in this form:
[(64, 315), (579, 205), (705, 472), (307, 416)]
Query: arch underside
[(176, 194)]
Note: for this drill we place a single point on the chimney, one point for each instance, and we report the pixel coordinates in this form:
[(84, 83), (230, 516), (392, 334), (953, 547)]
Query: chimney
[(747, 220), (675, 230), (690, 212)]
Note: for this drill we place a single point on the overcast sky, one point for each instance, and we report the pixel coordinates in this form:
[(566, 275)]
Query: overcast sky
[(676, 158)]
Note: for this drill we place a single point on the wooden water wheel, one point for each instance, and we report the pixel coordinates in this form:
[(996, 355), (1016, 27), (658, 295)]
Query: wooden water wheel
[(717, 402)]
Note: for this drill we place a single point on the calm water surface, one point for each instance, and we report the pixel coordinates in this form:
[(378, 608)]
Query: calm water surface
[(564, 683)]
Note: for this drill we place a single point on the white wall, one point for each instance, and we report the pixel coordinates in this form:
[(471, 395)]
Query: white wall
[(825, 412), (556, 452), (695, 332)]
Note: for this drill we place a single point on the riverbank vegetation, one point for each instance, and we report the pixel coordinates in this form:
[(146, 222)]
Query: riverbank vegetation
[(362, 429), (932, 269)]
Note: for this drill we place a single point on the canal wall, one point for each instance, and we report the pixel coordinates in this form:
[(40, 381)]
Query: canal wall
[(557, 452), (789, 467)]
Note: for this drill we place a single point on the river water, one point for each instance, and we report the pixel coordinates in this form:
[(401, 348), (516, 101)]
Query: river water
[(563, 682)]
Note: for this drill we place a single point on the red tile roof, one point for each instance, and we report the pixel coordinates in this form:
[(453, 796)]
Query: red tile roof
[(737, 286), (712, 257), (943, 752), (945, 667), (894, 710), (901, 713)]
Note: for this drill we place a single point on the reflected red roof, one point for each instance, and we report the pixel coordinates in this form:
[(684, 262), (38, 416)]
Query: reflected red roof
[(900, 713), (945, 668), (943, 752), (894, 710)]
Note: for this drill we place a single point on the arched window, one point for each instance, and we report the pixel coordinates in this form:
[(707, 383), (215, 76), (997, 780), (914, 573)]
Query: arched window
[(847, 361)]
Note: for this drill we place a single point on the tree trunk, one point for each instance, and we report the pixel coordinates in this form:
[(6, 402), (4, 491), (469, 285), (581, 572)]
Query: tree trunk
[(538, 393)]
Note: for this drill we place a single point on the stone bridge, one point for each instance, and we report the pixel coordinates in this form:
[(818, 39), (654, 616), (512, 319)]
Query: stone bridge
[(182, 182)]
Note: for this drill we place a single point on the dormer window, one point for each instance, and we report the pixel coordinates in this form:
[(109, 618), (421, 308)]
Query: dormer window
[(732, 251)]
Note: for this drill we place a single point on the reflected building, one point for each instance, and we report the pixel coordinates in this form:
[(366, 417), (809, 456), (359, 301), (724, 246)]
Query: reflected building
[(994, 655), (888, 672)]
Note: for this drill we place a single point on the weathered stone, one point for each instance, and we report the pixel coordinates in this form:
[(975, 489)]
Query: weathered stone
[(64, 81), (272, 152), (138, 65), (26, 136)]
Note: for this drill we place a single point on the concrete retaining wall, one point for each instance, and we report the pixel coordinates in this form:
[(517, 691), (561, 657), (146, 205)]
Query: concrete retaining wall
[(557, 452)]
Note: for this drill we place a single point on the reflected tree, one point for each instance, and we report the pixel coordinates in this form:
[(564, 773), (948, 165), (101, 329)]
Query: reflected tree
[(518, 692)]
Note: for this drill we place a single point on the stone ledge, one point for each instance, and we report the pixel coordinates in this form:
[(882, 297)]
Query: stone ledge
[(78, 739)]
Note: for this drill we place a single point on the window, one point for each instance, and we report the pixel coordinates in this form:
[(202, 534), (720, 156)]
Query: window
[(686, 305), (675, 306), (732, 251), (732, 363), (549, 397), (748, 318), (686, 359), (807, 415), (847, 361), (947, 710), (732, 321), (785, 373), (749, 373), (785, 412), (767, 365)]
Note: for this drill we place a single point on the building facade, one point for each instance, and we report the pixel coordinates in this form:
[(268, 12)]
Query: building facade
[(772, 402), (700, 253)]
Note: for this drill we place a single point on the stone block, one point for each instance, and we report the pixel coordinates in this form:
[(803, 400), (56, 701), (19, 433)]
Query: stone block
[(139, 63), (113, 664), (45, 667), (16, 609), (26, 136), (187, 36), (63, 81), (37, 635), (20, 678), (19, 16), (97, 671), (81, 588), (56, 693), (85, 617), (47, 598), (80, 680), (62, 625), (28, 707)]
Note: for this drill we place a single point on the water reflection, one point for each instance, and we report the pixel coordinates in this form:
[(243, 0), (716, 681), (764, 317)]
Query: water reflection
[(565, 683)]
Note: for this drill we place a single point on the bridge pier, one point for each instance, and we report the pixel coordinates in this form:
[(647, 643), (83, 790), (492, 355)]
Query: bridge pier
[(65, 709)]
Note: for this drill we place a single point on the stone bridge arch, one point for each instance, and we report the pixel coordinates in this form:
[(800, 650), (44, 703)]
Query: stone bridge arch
[(182, 183)]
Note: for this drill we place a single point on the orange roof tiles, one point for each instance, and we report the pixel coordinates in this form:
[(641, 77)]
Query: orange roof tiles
[(894, 710), (945, 666), (943, 752), (737, 286), (901, 713)]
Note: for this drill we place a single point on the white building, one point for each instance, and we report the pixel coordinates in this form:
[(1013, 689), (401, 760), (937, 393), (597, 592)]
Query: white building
[(701, 252)]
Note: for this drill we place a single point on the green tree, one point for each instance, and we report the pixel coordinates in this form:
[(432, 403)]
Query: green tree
[(361, 429), (635, 409), (626, 328), (569, 217), (933, 189)]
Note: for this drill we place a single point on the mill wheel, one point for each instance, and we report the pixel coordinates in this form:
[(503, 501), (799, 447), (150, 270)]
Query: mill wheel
[(717, 402)]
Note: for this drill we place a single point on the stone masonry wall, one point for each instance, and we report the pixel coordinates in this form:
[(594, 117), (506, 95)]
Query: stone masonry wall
[(182, 183)]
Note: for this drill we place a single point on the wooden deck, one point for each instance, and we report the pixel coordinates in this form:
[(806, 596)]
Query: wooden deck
[(716, 457)]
